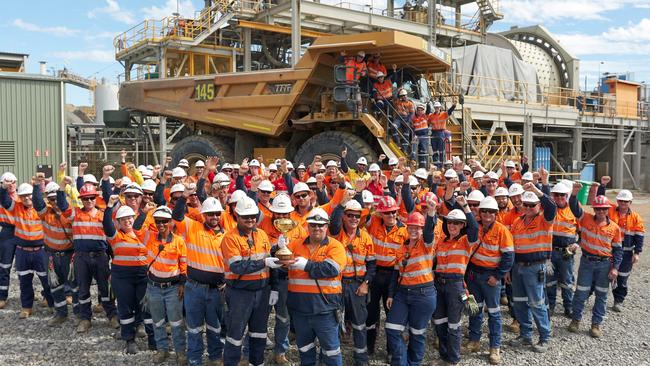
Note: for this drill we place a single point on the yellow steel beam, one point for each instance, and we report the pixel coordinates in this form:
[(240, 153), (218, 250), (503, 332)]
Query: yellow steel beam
[(279, 29)]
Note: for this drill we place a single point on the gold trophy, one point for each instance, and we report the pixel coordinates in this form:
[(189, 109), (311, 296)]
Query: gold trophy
[(284, 226)]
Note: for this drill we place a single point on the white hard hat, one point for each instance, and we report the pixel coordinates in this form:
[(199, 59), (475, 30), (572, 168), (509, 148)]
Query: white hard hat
[(331, 163), (211, 204), (515, 190), (311, 180), (492, 175), (300, 187), (373, 168), (246, 206), (362, 160), (8, 177), (489, 203), (399, 179), (475, 196), (353, 205), (199, 164), (367, 196), (226, 166), (236, 196), (529, 197), (527, 176), (162, 212), (235, 166), (149, 185), (254, 162), (178, 172), (420, 106), (450, 173), (301, 166), (456, 215), (448, 162), (184, 163), (380, 74), (402, 92), (141, 168), (289, 165), (361, 53), (221, 178), (150, 167), (561, 188), (51, 188), (318, 216), (133, 188), (624, 195), (125, 181), (24, 189), (568, 183), (89, 178), (266, 185), (467, 168), (437, 104), (501, 191), (510, 164), (413, 181), (393, 161), (179, 187), (272, 166), (146, 174), (478, 174), (281, 204), (421, 173), (124, 211)]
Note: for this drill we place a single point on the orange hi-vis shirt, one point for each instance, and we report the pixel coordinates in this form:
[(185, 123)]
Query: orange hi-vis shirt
[(246, 256), (354, 70), (358, 250), (404, 107), (204, 257), (384, 90), (267, 226), (57, 230), (438, 121), (228, 221), (597, 239), (374, 68), (508, 216), (27, 224), (87, 229), (534, 239), (632, 227), (128, 250), (565, 226), (452, 256), (420, 122), (387, 244), (168, 264), (492, 244), (415, 264), (301, 219)]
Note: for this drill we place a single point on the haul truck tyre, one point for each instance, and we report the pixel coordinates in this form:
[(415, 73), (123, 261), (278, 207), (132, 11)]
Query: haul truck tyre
[(199, 147), (329, 146)]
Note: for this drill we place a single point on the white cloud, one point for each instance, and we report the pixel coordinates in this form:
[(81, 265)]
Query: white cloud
[(185, 8), (539, 11), (113, 10), (57, 31), (626, 40), (86, 55)]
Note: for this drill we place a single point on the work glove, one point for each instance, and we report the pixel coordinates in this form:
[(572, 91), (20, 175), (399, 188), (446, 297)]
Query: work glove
[(300, 263), (549, 267), (271, 262), (282, 242), (470, 304), (51, 274), (273, 298)]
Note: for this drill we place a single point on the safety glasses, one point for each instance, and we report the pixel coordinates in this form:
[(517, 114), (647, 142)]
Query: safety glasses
[(530, 205), (301, 196), (353, 216)]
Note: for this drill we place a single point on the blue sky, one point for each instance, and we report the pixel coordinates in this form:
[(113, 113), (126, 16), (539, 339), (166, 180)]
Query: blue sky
[(79, 34)]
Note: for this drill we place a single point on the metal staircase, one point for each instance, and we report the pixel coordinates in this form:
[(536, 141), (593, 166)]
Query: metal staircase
[(489, 11)]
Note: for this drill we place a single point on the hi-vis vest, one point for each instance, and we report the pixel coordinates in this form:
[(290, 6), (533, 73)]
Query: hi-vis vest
[(415, 264), (57, 230), (332, 252), (599, 240), (235, 248), (203, 246), (438, 121), (491, 244), (419, 122), (452, 255), (26, 222), (362, 250), (565, 224), (84, 225), (534, 237), (128, 250), (387, 245), (169, 263)]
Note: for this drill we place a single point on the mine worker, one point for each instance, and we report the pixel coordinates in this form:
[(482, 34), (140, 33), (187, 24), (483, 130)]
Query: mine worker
[(229, 217), (219, 190), (359, 172), (356, 67), (501, 195), (183, 163), (533, 240), (375, 66), (148, 189), (31, 258), (315, 291), (405, 109), (412, 293), (246, 256), (167, 273), (357, 273), (205, 278), (438, 122), (602, 252), (421, 130), (478, 180), (513, 209), (7, 244), (488, 265), (388, 234), (631, 224), (83, 178), (474, 199), (511, 171), (199, 168), (90, 253), (565, 236), (57, 235), (452, 256), (281, 208), (491, 180), (128, 273), (383, 92)]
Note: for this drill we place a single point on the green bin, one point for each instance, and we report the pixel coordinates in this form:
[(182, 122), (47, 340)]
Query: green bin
[(583, 195)]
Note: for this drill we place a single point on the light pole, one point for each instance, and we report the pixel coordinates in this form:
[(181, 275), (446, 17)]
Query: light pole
[(600, 102)]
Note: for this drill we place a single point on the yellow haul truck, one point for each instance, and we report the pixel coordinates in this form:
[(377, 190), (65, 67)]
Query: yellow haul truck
[(306, 110)]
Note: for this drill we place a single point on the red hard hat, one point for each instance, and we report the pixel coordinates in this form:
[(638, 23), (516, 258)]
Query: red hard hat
[(427, 196), (88, 190), (415, 219), (600, 202), (386, 204)]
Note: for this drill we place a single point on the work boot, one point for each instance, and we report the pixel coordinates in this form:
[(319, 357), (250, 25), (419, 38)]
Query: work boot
[(181, 359), (595, 331), (514, 326), (618, 307), (83, 326), (520, 342), (495, 356), (3, 303), (131, 348), (160, 356), (504, 300), (243, 362), (68, 299), (280, 359), (140, 332), (218, 362), (56, 320), (541, 347), (43, 302), (574, 327), (114, 322), (436, 342), (97, 308), (25, 313), (471, 347)]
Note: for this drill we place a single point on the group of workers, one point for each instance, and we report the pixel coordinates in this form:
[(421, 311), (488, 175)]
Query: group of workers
[(413, 125), (214, 249)]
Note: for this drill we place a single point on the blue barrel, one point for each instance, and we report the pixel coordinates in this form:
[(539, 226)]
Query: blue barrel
[(588, 173)]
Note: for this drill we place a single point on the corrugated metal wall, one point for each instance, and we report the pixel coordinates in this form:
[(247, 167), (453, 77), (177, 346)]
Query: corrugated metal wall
[(30, 125)]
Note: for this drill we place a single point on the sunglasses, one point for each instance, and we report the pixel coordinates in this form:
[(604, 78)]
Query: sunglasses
[(413, 188), (301, 196), (162, 222), (466, 172), (227, 170), (399, 184), (473, 204), (458, 223), (265, 192), (248, 217), (312, 225), (492, 181), (486, 211), (147, 194), (530, 205), (87, 198), (272, 171), (131, 196), (353, 216), (211, 214), (389, 213)]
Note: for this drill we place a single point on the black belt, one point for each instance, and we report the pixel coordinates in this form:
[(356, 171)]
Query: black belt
[(559, 249), (531, 263), (443, 280), (595, 258), (163, 284), (29, 249), (212, 286)]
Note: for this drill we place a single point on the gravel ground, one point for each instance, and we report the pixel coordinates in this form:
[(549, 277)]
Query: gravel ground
[(626, 339)]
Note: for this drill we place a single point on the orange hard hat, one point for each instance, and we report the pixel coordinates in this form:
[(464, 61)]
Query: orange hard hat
[(415, 219), (601, 202), (387, 204), (88, 190)]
